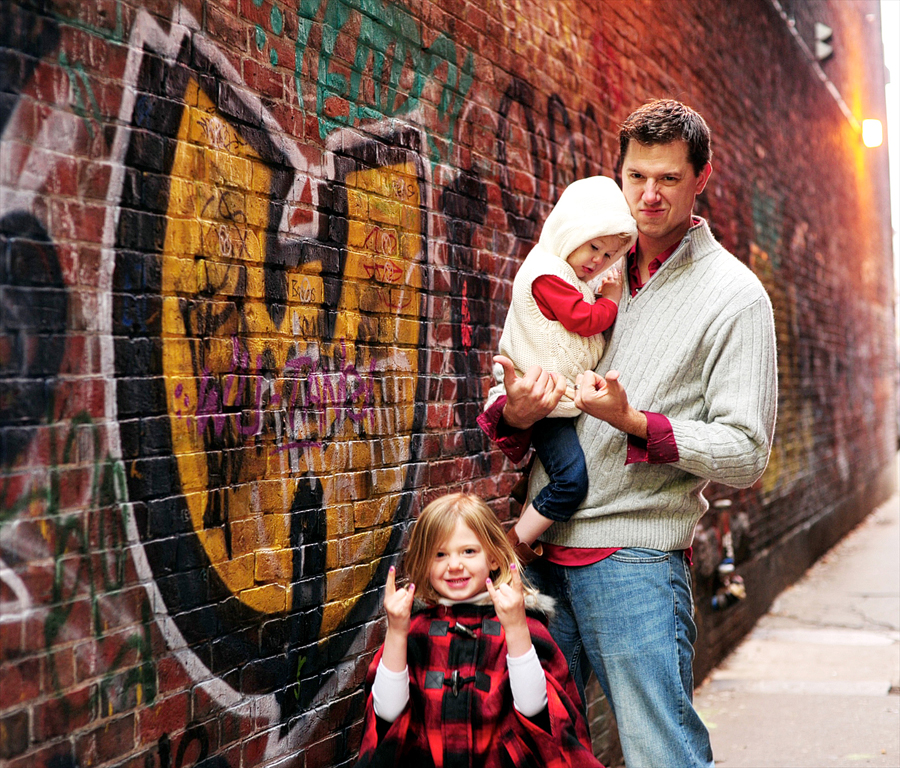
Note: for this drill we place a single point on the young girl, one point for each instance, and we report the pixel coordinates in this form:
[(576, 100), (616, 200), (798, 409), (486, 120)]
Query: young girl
[(468, 673), (555, 322)]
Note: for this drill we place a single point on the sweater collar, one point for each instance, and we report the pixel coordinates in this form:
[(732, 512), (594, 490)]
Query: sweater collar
[(698, 235)]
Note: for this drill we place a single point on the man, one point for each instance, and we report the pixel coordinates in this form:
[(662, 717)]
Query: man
[(694, 346)]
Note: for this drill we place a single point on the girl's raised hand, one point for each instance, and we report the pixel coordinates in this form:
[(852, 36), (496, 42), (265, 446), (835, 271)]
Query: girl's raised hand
[(509, 602), (398, 604)]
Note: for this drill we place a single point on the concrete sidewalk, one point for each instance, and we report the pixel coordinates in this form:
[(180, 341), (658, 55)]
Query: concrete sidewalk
[(816, 682)]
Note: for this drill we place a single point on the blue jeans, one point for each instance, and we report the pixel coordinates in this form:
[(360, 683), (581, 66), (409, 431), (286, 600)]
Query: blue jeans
[(630, 617), (556, 443)]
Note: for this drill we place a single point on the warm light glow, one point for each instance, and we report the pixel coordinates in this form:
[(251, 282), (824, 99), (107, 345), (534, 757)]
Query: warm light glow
[(872, 134)]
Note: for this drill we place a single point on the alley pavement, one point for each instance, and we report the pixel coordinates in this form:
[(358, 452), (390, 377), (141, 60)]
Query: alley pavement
[(816, 683)]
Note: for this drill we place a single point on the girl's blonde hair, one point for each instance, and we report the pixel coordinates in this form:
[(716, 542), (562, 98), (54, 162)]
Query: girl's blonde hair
[(436, 524)]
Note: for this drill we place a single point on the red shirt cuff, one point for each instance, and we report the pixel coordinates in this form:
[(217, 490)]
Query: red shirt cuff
[(659, 448), (513, 442)]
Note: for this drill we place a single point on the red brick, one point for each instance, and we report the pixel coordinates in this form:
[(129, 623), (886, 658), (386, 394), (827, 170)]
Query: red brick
[(45, 756), (171, 675), (20, 681), (164, 716), (58, 716), (13, 734), (111, 740)]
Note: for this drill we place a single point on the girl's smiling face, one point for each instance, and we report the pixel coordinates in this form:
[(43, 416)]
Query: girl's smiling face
[(460, 565)]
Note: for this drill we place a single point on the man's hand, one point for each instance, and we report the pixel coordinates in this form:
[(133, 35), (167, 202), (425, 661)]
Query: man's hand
[(605, 398), (509, 602), (531, 397)]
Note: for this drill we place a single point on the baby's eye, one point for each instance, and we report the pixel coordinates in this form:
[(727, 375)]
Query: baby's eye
[(594, 247)]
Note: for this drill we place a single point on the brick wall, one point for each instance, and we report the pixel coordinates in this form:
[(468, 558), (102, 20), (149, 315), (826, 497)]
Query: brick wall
[(254, 261)]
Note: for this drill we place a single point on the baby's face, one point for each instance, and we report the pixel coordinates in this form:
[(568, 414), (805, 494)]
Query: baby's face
[(592, 257)]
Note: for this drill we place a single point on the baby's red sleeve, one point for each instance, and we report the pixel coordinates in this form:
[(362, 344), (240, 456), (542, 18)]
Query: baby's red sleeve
[(564, 303)]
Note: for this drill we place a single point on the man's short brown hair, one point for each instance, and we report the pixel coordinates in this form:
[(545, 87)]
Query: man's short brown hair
[(663, 121)]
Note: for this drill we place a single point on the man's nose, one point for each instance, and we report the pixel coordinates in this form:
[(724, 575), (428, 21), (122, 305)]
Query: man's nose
[(651, 191)]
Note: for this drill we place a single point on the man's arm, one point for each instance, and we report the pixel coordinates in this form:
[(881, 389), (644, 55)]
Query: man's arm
[(732, 444)]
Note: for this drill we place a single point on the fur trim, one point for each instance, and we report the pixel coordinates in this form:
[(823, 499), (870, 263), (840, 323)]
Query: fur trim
[(535, 601)]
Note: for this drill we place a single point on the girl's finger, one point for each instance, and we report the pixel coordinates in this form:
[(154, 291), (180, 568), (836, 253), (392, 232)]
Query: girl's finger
[(492, 591), (390, 587), (516, 577)]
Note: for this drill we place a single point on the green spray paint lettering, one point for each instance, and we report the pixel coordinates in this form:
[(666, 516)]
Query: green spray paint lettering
[(389, 52)]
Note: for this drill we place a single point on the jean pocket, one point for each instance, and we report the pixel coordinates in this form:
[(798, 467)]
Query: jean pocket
[(639, 555)]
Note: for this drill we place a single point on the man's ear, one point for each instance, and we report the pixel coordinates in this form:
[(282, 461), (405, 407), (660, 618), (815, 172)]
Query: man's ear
[(703, 177)]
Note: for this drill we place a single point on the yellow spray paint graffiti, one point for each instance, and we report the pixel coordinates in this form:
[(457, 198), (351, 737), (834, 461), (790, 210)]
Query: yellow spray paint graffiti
[(220, 337), (289, 365)]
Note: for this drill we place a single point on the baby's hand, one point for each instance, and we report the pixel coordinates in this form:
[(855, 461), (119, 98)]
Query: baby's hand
[(612, 285), (509, 602), (398, 604)]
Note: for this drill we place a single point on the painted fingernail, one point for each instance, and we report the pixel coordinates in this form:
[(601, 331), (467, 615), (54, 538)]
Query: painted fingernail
[(488, 581), (512, 566), (391, 569)]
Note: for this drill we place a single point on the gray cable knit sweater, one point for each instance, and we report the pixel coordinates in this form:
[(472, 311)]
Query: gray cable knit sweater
[(696, 344)]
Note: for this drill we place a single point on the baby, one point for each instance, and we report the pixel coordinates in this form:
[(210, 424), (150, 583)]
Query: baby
[(555, 322)]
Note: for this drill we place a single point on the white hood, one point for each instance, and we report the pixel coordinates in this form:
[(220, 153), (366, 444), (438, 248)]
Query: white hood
[(588, 208)]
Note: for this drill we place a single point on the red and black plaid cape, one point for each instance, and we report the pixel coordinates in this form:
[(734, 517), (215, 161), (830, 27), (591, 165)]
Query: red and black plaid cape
[(460, 710)]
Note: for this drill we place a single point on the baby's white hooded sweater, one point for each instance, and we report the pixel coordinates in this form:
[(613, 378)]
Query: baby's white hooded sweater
[(587, 209)]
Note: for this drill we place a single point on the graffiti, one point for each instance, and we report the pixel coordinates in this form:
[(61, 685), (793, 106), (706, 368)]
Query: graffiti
[(768, 218), (32, 324), (255, 424), (215, 132), (276, 26), (384, 242), (83, 94), (89, 572), (193, 749), (391, 71), (329, 395)]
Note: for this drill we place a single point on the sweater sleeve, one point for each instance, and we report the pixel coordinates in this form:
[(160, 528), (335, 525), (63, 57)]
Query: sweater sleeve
[(564, 303), (731, 445)]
